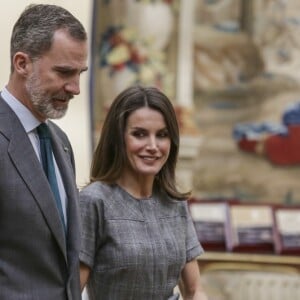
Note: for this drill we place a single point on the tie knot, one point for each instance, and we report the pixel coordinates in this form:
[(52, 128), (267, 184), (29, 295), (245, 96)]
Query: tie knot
[(43, 130)]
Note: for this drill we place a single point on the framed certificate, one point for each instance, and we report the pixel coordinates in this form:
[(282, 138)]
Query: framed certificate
[(210, 219), (251, 228), (287, 230)]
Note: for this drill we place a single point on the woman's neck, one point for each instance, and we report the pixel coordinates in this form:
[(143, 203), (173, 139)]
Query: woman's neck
[(136, 187)]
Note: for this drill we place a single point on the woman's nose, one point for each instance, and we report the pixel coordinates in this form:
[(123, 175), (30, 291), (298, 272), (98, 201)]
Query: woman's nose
[(152, 143)]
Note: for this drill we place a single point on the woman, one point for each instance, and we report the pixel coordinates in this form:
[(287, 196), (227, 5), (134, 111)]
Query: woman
[(138, 239)]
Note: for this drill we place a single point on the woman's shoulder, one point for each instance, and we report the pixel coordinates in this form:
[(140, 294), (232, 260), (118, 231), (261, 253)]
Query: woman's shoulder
[(170, 200), (170, 204), (97, 190)]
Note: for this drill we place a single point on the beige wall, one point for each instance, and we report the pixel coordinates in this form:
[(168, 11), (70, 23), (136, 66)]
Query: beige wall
[(76, 124)]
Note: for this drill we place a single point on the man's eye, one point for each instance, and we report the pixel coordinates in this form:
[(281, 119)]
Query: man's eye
[(65, 72)]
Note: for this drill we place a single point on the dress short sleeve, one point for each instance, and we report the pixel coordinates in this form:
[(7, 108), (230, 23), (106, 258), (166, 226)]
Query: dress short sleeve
[(193, 246), (91, 225)]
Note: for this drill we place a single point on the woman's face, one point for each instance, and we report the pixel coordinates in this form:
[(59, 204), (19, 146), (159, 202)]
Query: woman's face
[(147, 142)]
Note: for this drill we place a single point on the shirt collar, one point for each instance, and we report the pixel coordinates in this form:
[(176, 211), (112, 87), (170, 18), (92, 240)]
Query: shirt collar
[(28, 120)]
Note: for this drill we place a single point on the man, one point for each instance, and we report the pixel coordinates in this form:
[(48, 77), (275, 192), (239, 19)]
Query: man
[(39, 245)]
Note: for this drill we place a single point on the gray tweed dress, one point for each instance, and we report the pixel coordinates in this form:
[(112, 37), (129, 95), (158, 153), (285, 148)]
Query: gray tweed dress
[(135, 248)]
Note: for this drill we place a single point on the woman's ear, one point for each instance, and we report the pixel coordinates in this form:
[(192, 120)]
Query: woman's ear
[(22, 63)]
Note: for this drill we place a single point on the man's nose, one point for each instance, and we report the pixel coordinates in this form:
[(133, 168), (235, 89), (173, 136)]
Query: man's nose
[(73, 86)]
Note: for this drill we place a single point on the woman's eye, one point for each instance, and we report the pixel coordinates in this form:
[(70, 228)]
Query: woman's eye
[(163, 134), (139, 134), (142, 134)]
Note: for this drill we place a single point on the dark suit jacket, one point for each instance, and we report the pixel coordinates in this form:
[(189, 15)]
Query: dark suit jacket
[(37, 261)]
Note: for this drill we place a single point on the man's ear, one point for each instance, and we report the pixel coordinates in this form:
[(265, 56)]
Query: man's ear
[(22, 63)]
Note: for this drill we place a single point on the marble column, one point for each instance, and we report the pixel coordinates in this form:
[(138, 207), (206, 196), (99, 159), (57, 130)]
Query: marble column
[(190, 140), (185, 53)]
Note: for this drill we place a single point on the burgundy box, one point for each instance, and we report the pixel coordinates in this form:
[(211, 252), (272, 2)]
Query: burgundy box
[(250, 228), (210, 218)]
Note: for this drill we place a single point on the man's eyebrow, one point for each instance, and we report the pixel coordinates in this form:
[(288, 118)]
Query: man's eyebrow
[(68, 68), (84, 69)]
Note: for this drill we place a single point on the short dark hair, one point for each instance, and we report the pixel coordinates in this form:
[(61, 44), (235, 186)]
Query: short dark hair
[(110, 156), (33, 31)]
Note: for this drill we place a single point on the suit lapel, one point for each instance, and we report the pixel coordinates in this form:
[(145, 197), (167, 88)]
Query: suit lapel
[(26, 162), (64, 158)]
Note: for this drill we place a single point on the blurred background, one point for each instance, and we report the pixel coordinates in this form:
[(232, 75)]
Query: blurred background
[(232, 70)]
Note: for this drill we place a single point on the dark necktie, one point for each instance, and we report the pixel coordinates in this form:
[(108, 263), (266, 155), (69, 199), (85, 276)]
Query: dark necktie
[(48, 164)]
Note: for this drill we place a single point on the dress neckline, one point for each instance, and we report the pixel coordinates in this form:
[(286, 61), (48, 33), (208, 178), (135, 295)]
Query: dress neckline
[(133, 197)]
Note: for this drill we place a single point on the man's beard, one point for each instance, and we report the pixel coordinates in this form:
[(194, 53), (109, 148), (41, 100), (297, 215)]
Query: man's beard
[(42, 101)]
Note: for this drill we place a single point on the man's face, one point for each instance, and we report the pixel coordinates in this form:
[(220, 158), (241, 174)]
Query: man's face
[(54, 79)]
